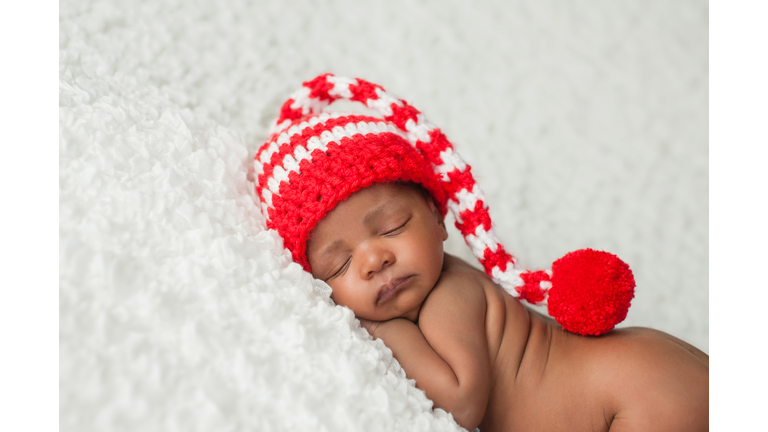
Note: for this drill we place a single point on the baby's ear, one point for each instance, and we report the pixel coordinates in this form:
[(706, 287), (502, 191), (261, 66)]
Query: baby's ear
[(441, 221), (436, 212)]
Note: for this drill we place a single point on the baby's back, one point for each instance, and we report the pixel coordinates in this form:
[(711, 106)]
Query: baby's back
[(544, 378)]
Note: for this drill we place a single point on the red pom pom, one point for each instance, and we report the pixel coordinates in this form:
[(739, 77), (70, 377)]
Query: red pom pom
[(591, 291)]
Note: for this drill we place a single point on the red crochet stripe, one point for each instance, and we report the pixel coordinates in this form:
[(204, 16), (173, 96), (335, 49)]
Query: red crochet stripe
[(472, 218), (308, 132), (459, 180), (288, 113), (348, 166), (401, 114), (364, 90), (499, 259), (319, 88), (301, 139), (531, 291), (438, 143), (343, 121)]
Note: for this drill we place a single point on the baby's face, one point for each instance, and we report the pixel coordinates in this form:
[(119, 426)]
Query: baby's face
[(381, 250)]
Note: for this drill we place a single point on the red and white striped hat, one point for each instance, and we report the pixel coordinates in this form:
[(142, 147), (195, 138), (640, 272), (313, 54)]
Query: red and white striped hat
[(314, 160)]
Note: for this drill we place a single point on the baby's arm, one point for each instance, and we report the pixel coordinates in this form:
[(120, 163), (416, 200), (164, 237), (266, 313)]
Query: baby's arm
[(447, 353)]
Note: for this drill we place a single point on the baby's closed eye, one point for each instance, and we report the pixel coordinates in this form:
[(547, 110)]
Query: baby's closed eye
[(341, 269), (398, 227)]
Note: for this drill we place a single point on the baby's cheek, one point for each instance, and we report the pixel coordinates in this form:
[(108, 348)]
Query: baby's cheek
[(342, 296)]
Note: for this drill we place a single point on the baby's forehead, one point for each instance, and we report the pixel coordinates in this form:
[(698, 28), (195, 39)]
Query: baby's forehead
[(390, 192), (367, 205)]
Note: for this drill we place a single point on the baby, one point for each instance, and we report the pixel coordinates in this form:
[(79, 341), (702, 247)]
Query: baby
[(359, 201), (475, 350)]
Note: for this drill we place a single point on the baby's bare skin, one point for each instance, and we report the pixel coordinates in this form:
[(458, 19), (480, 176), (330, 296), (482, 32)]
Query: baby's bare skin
[(476, 351), (547, 379)]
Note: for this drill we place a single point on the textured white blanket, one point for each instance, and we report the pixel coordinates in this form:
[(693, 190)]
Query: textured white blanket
[(178, 311)]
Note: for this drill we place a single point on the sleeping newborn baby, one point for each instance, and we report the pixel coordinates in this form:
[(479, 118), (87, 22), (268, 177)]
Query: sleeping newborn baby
[(360, 203), (475, 350)]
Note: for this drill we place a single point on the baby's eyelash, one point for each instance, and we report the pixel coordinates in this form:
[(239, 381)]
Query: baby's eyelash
[(339, 271), (399, 227)]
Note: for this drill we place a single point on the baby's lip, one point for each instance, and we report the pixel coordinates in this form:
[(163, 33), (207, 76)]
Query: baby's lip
[(391, 288)]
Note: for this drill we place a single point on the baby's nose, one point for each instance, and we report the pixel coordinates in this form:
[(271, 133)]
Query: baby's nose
[(376, 259)]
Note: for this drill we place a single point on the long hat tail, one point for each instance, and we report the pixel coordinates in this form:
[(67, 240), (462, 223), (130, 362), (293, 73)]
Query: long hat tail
[(587, 291)]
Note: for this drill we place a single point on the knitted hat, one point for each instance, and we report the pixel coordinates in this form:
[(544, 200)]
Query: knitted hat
[(314, 160)]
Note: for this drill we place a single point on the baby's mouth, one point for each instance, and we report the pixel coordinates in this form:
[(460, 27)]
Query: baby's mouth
[(388, 290)]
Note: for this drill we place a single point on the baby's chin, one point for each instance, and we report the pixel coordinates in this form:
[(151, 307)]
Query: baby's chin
[(410, 315)]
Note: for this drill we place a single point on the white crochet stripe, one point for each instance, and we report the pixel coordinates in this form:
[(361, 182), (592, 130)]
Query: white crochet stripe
[(482, 240), (266, 198), (509, 279), (341, 86), (290, 162), (307, 104), (279, 175), (465, 200), (419, 130), (415, 131), (276, 127), (285, 138), (384, 103), (451, 161)]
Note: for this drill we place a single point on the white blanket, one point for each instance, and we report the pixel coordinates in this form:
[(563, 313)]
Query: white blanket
[(179, 311)]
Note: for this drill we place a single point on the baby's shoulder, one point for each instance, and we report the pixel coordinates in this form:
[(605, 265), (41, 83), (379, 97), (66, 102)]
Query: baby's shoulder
[(459, 279), (459, 287)]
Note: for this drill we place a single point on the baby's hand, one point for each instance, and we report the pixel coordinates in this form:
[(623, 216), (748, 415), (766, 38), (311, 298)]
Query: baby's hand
[(369, 325), (386, 329)]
